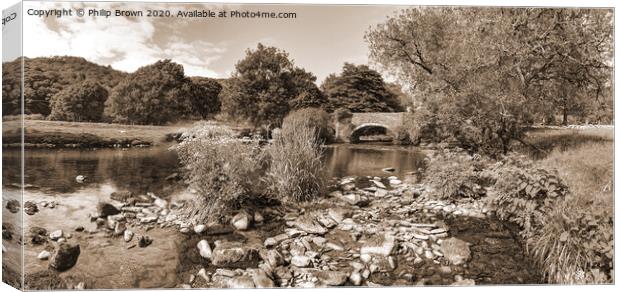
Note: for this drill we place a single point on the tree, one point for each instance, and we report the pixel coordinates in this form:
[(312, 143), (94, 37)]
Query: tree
[(264, 85), (205, 98), (359, 89), (81, 102), (487, 70), (154, 94)]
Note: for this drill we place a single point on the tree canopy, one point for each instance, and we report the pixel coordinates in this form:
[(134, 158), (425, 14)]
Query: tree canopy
[(264, 85), (205, 98), (486, 73), (359, 89), (80, 102), (154, 94)]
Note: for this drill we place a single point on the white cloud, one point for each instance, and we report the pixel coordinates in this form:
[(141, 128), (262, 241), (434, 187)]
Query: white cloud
[(120, 42)]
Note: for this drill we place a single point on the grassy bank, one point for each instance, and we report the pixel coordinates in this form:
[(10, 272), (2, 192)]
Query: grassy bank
[(41, 133)]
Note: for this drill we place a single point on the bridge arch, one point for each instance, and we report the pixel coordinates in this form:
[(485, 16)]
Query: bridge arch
[(370, 129)]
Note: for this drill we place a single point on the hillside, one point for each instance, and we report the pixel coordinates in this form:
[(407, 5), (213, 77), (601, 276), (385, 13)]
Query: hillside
[(44, 77)]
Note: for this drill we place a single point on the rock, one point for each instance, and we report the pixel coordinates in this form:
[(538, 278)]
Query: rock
[(80, 286), (44, 255), (365, 258), (203, 273), (161, 203), (121, 196), (378, 184), (272, 257), (455, 250), (219, 229), (79, 228), (13, 206), (30, 208), (338, 214), (80, 179), (119, 228), (306, 223), (258, 217), (38, 235), (237, 282), (261, 280), (356, 278), (144, 241), (382, 245), (200, 228), (241, 221), (464, 282), (55, 235), (234, 254), (332, 278), (65, 256), (395, 182), (204, 249), (300, 261), (127, 235), (389, 169), (106, 209)]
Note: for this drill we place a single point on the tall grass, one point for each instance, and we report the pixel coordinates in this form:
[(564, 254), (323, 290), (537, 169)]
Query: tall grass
[(296, 168), (222, 170), (576, 244)]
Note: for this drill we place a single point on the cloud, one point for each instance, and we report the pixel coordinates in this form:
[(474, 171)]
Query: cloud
[(124, 43)]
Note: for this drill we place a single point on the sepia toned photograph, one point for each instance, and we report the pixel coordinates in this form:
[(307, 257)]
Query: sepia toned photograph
[(227, 145)]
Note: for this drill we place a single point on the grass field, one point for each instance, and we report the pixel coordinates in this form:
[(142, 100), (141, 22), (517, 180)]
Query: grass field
[(86, 134)]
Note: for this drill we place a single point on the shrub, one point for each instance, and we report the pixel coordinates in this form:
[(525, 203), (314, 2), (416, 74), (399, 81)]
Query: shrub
[(224, 171), (315, 118), (421, 124), (454, 175), (296, 169), (81, 102)]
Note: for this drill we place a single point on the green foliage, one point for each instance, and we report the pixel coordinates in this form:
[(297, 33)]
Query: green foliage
[(359, 89), (317, 119), (205, 97), (45, 77), (296, 169), (223, 170), (311, 98), (82, 102), (264, 85), (154, 94)]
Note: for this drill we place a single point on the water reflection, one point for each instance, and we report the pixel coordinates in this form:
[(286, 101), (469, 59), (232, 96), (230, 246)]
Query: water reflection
[(145, 170)]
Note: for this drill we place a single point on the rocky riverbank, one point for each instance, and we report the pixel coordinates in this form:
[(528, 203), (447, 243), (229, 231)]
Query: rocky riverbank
[(368, 231)]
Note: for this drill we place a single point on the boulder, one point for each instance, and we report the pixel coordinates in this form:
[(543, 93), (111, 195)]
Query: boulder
[(261, 279), (204, 249), (55, 235), (200, 228), (382, 245), (300, 261), (106, 209), (13, 206), (241, 221), (65, 256), (306, 223), (235, 255), (332, 278), (44, 255), (127, 235), (30, 208), (271, 256), (455, 250)]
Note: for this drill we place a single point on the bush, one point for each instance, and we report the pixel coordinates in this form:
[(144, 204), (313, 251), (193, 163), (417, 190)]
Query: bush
[(421, 124), (224, 171), (314, 118), (81, 102), (296, 169), (454, 175)]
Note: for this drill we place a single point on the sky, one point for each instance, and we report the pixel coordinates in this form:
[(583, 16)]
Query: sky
[(320, 39)]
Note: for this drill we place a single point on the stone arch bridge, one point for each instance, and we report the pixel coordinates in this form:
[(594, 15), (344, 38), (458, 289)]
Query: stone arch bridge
[(361, 124)]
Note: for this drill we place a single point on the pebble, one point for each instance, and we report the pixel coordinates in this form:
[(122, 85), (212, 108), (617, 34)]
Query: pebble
[(55, 235), (127, 235), (44, 255), (200, 228), (300, 261), (204, 249), (356, 278)]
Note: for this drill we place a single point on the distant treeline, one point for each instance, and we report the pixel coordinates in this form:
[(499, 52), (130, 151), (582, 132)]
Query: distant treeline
[(265, 86)]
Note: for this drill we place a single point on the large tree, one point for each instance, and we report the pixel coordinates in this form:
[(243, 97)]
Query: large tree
[(264, 85), (205, 98), (81, 102), (483, 72), (154, 94), (359, 89)]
